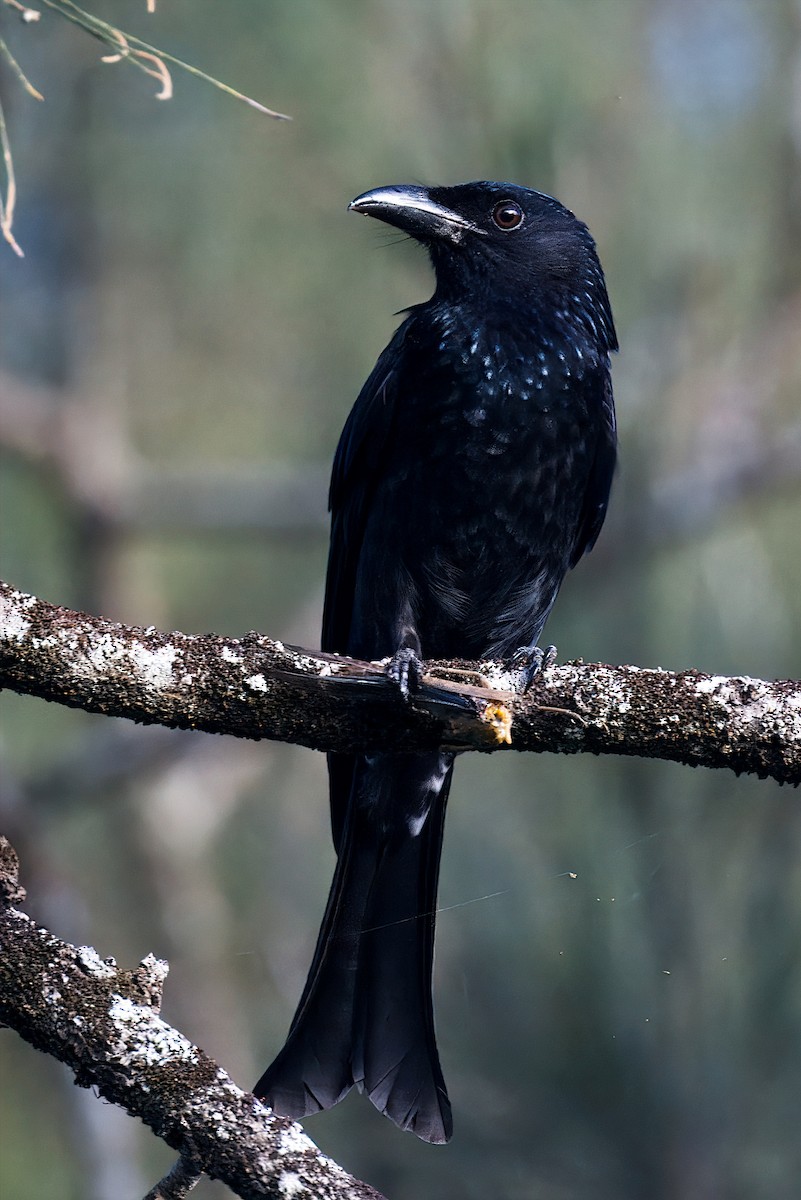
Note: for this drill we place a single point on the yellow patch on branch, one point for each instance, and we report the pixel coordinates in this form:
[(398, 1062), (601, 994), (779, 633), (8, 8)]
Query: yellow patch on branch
[(499, 719)]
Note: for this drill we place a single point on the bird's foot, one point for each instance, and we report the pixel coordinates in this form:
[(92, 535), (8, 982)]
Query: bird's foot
[(406, 670), (530, 660)]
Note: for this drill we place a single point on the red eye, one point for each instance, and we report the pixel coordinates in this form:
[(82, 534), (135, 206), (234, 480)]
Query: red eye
[(507, 214)]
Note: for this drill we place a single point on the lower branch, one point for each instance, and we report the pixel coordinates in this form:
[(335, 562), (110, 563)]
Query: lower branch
[(259, 688), (103, 1023)]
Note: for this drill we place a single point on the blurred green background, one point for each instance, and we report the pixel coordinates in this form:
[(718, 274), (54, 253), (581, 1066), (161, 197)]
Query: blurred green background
[(618, 977)]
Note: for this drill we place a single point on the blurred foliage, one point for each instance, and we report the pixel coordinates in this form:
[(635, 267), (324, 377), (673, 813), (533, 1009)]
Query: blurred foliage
[(619, 956)]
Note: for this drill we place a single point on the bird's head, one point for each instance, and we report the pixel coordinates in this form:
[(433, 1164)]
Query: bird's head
[(501, 241)]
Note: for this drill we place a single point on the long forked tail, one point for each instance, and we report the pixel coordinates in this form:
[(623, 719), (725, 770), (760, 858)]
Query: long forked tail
[(366, 1015)]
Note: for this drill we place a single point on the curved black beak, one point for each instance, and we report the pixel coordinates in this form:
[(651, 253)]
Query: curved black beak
[(416, 212)]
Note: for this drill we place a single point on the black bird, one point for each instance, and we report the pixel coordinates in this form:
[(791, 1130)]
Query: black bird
[(473, 471)]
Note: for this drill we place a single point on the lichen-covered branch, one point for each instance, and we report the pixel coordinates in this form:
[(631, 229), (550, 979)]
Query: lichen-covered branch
[(104, 1023), (256, 687)]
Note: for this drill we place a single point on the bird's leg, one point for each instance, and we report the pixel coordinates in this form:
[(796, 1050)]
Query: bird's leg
[(405, 668), (531, 660)]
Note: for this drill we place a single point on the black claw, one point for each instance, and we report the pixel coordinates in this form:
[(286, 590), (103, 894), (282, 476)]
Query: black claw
[(531, 660), (406, 670)]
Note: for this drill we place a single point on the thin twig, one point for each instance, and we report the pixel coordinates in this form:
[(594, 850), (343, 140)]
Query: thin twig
[(125, 48), (140, 50), (26, 14), (180, 1180), (7, 203), (18, 71)]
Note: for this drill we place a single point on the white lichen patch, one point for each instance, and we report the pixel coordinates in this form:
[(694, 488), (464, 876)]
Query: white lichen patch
[(228, 655), (308, 662), (227, 1085), (607, 693), (718, 686), (144, 1039), (107, 652), (711, 684), (256, 683), (501, 677), (155, 665), (13, 625), (751, 708), (290, 1183), (156, 969), (91, 961), (766, 710), (110, 656), (295, 1141)]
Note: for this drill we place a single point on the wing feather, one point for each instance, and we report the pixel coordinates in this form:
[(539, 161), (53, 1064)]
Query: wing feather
[(357, 469), (599, 482)]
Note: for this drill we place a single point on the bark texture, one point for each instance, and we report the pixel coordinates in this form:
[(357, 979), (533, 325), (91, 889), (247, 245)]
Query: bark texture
[(256, 687), (104, 1023)]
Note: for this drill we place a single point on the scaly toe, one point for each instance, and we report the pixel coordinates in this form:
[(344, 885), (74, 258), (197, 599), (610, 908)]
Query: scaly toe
[(531, 660), (406, 670)]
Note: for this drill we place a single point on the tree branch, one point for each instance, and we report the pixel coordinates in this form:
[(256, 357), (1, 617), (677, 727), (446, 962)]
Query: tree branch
[(103, 1023), (255, 687)]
